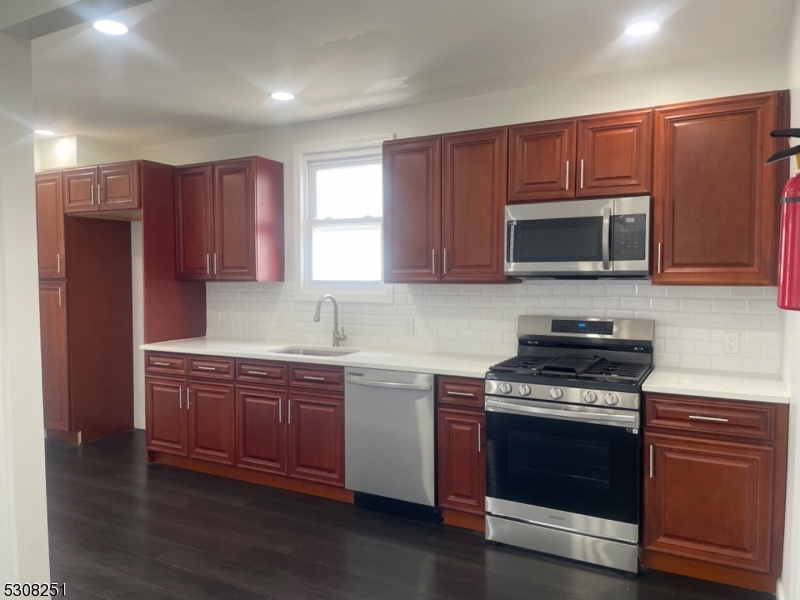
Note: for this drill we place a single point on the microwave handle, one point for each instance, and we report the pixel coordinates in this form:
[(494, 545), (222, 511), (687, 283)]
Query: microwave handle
[(606, 238)]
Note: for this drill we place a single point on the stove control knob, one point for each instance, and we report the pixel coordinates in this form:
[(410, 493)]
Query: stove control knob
[(524, 390), (556, 393), (590, 397), (505, 388), (612, 399)]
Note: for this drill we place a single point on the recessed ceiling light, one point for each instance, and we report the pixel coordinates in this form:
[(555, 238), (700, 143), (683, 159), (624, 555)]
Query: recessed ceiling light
[(110, 27), (282, 96), (644, 28), (44, 132)]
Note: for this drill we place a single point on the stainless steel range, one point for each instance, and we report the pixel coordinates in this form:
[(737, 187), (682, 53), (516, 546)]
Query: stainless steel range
[(564, 441)]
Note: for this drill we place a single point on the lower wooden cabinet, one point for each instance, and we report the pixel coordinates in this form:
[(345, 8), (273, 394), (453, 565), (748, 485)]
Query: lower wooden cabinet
[(211, 421), (165, 415), (714, 492), (261, 428), (316, 437), (462, 460)]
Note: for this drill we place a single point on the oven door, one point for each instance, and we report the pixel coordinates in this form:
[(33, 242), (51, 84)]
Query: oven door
[(557, 464)]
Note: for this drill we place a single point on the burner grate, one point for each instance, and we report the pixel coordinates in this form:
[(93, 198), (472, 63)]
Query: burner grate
[(520, 364), (607, 370)]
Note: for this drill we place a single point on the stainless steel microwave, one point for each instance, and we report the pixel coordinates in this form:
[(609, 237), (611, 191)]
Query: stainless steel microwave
[(579, 239)]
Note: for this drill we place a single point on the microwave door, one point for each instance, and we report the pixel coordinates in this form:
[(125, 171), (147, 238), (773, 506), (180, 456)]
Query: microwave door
[(559, 239)]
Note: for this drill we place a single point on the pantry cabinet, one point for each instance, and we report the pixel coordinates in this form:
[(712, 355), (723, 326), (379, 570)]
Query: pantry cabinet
[(55, 353), (443, 208), (717, 206), (51, 239), (714, 489), (230, 220)]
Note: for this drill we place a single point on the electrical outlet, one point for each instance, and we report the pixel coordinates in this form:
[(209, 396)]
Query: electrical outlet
[(410, 326), (281, 319), (731, 342)]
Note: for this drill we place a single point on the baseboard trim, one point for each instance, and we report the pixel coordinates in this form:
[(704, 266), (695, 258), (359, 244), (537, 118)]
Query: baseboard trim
[(68, 437)]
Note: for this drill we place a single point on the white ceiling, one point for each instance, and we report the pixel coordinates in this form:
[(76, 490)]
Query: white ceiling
[(191, 68)]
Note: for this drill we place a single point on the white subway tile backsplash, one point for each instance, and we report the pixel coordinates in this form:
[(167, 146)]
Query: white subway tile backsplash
[(481, 319)]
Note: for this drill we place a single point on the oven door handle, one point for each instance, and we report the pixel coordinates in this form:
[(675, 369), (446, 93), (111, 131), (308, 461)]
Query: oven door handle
[(567, 415), (606, 238)]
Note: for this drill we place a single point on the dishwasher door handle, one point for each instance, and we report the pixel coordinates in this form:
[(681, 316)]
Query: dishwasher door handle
[(389, 384)]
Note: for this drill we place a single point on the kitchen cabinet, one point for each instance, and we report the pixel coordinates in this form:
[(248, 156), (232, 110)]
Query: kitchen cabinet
[(443, 208), (316, 437), (714, 489), (210, 408), (716, 207), (55, 365), (166, 416), (590, 157), (462, 460), (112, 187), (230, 221), (50, 226), (261, 428)]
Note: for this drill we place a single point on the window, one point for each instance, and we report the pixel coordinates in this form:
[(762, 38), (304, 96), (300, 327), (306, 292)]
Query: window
[(341, 221)]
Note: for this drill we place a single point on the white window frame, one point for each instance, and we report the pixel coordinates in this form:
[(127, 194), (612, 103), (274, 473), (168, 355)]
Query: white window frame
[(306, 157)]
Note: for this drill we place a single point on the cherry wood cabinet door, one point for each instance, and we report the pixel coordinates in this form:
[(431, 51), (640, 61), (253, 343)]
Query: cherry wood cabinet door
[(473, 205), (55, 358), (316, 437), (80, 190), (212, 425), (50, 226), (615, 154), (119, 186), (412, 210), (541, 161), (462, 460), (195, 222), (716, 203), (709, 500), (166, 415), (234, 220), (261, 428)]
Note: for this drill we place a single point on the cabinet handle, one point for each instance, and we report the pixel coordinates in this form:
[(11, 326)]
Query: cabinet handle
[(58, 258), (180, 397), (651, 461), (215, 263), (659, 258), (257, 373), (208, 264), (99, 194), (160, 364), (582, 168), (59, 296), (290, 410), (433, 261), (91, 189), (715, 419), (280, 410), (206, 368), (479, 437), (466, 394), (567, 176), (188, 398), (313, 378), (444, 261)]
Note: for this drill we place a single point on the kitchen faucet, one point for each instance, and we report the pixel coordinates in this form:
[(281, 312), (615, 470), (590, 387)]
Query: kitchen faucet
[(337, 337)]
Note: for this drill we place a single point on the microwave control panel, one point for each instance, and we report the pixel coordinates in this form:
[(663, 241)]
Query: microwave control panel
[(628, 237)]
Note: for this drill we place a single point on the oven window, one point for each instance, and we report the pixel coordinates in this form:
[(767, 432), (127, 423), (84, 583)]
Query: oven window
[(558, 240), (576, 467)]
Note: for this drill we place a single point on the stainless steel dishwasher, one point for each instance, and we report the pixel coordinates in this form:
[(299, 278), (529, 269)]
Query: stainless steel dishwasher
[(389, 435)]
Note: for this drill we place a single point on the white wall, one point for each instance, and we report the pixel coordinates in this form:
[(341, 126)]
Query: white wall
[(789, 586), (23, 510)]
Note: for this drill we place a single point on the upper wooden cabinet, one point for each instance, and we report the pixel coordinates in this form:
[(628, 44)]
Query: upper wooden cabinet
[(230, 220), (412, 210), (50, 226), (443, 208), (603, 155), (716, 203), (104, 188)]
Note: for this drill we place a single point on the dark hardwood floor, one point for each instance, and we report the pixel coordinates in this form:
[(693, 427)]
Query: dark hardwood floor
[(122, 530)]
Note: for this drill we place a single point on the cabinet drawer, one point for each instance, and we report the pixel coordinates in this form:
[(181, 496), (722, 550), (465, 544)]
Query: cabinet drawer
[(318, 377), (261, 371), (165, 363), (212, 368), (462, 392), (754, 421)]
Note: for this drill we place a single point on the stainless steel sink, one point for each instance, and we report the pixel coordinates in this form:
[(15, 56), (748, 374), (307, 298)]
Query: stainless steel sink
[(314, 351)]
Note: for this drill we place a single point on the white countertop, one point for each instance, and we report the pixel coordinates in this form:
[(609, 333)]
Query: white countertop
[(456, 365), (717, 384)]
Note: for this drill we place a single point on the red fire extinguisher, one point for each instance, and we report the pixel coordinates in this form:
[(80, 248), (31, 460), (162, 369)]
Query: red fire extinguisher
[(789, 261)]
